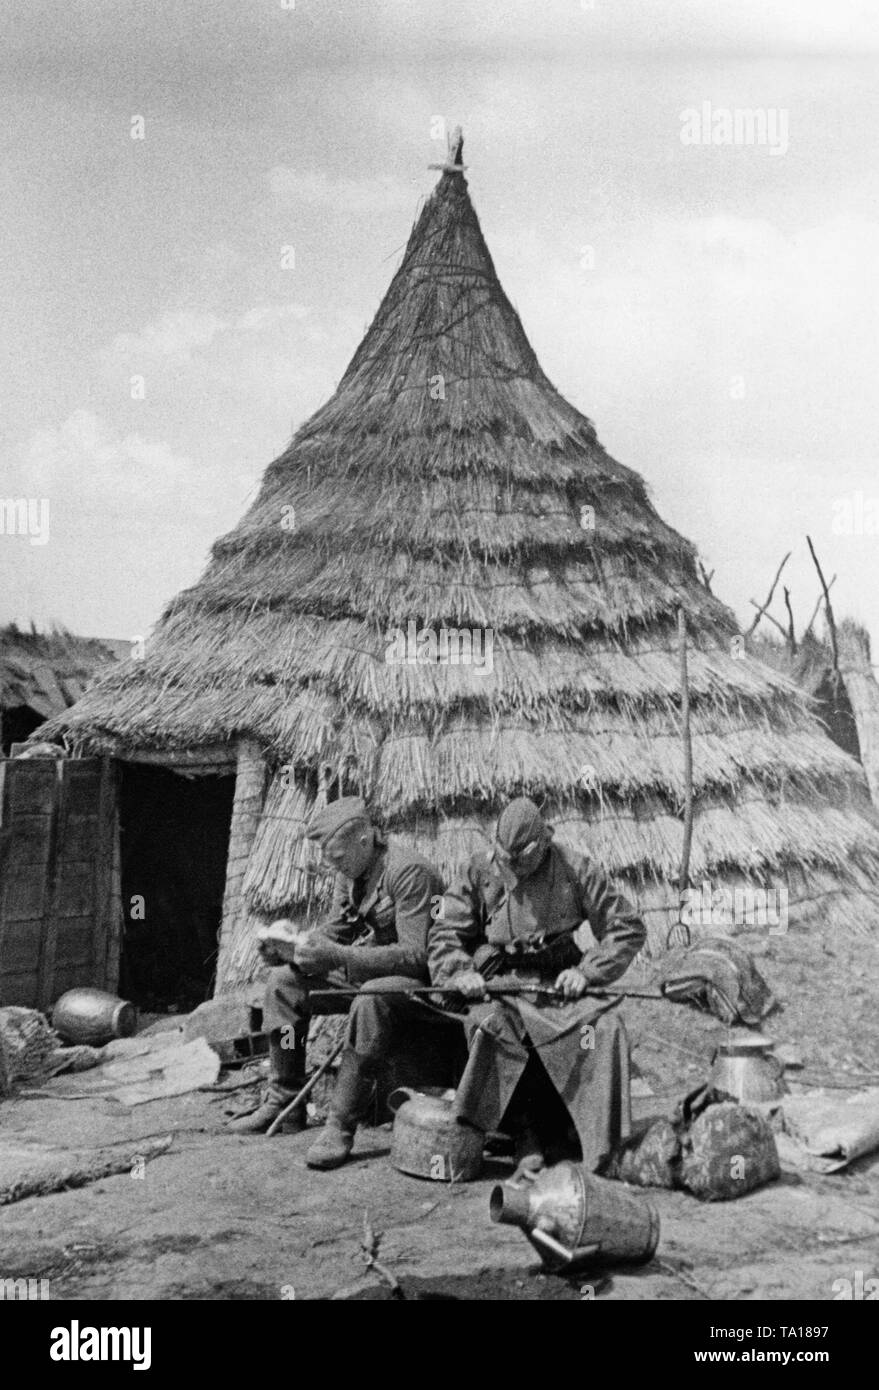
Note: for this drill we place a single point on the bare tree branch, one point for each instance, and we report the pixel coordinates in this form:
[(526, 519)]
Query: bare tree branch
[(761, 611), (811, 621)]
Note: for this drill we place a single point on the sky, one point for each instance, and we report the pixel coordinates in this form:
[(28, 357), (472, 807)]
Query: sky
[(175, 305)]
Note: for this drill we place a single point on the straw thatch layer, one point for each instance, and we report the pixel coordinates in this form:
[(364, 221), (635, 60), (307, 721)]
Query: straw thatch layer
[(48, 671)]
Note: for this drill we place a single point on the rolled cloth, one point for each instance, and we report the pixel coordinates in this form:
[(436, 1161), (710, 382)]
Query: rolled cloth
[(334, 817)]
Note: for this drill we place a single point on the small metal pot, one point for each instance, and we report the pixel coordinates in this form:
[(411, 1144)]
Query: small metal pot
[(428, 1141), (93, 1016), (744, 1068)]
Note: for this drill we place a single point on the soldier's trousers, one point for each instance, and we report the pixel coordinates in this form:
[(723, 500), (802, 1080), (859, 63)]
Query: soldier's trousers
[(374, 1015), (583, 1049)]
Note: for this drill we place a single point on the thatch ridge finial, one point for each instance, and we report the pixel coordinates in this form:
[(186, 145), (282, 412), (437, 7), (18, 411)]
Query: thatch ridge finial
[(454, 163)]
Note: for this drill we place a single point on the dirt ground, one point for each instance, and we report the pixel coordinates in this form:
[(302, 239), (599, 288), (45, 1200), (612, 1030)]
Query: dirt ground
[(221, 1216), (228, 1217)]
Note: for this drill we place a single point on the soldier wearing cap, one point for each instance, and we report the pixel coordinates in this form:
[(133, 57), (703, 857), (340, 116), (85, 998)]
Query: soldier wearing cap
[(376, 939), (511, 919)]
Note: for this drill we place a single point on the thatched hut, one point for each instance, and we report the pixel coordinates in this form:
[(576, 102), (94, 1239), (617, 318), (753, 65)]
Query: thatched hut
[(841, 686), (448, 487), (43, 673)]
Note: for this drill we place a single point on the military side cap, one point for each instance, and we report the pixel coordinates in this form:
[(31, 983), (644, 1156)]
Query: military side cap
[(334, 817), (519, 823)]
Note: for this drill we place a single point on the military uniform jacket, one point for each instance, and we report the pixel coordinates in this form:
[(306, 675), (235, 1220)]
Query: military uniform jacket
[(387, 912), (566, 891)]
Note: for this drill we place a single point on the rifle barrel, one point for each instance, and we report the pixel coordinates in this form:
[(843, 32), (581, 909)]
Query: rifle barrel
[(499, 991)]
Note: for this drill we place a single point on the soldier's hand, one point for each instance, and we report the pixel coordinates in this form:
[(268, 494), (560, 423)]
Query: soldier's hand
[(314, 955), (268, 955), (272, 947), (470, 983), (572, 983)]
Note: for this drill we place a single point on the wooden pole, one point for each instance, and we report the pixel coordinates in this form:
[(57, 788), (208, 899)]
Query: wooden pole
[(684, 878), (811, 622), (831, 625), (791, 634)]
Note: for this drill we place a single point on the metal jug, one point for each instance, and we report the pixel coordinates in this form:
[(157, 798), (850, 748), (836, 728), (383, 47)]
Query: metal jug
[(93, 1016), (743, 1067), (571, 1216), (428, 1141)]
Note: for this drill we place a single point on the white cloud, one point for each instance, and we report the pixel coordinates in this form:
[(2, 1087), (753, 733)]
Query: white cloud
[(174, 336), (268, 316), (316, 189), (222, 258), (85, 466)]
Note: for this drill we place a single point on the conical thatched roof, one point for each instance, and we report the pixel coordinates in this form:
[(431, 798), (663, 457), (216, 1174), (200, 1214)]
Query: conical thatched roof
[(448, 483)]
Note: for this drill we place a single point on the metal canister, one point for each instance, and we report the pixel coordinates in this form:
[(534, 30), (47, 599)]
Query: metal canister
[(570, 1216), (744, 1069), (428, 1141), (93, 1016)]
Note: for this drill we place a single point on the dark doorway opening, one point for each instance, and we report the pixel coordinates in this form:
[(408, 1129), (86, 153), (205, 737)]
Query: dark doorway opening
[(18, 724), (174, 841)]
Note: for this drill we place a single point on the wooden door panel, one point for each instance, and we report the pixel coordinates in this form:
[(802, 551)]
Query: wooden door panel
[(59, 906)]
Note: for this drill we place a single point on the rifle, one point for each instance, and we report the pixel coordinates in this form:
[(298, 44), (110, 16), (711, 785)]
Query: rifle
[(493, 991)]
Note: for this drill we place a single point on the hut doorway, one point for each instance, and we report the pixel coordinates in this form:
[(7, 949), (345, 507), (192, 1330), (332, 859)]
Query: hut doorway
[(17, 725), (174, 842)]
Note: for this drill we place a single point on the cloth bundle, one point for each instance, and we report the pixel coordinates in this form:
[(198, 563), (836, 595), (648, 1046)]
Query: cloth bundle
[(716, 1150), (719, 976)]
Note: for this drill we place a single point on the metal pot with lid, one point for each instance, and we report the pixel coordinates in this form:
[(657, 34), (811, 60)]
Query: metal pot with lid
[(427, 1140), (744, 1068)]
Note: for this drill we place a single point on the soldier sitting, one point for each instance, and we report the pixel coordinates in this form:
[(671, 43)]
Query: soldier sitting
[(511, 920), (375, 938)]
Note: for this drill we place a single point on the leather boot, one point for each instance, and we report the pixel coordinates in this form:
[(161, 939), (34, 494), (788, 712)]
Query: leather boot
[(350, 1095), (275, 1099), (286, 1079)]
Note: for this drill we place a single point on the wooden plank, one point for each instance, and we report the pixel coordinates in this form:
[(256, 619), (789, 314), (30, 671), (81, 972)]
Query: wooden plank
[(5, 859), (29, 838), (105, 896), (114, 894), (59, 878), (83, 777), (50, 919), (31, 786), (19, 989), (21, 948), (75, 891), (24, 892), (82, 840)]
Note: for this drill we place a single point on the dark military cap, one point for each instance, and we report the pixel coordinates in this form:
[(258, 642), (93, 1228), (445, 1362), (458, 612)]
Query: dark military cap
[(334, 817)]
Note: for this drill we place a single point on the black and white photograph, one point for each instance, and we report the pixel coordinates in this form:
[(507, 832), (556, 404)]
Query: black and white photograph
[(439, 586)]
